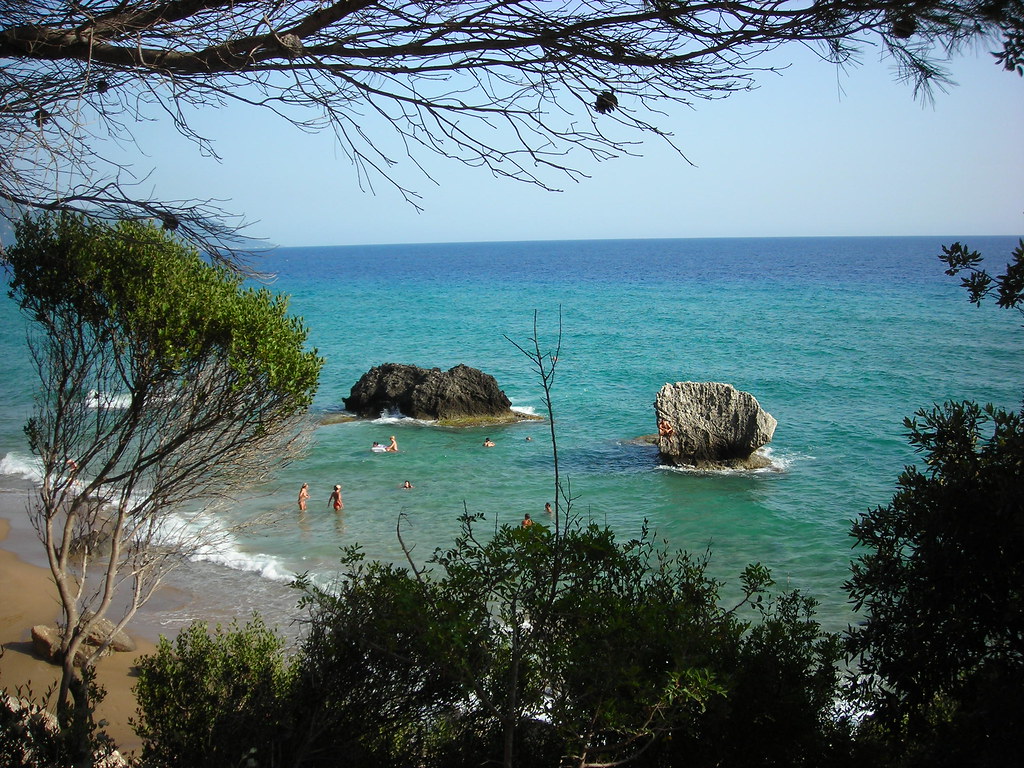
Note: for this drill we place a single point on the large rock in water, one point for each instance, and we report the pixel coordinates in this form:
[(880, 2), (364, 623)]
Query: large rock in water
[(707, 424), (459, 394)]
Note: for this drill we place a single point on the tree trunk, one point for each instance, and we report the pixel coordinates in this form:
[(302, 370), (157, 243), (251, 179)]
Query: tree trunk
[(75, 714)]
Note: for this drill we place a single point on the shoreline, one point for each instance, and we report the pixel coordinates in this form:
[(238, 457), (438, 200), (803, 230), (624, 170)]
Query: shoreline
[(29, 599), (194, 592)]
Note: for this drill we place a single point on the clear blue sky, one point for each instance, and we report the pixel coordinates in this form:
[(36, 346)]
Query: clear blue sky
[(814, 151)]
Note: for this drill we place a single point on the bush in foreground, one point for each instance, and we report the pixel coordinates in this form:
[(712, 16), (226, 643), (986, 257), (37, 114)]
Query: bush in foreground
[(214, 699), (543, 648)]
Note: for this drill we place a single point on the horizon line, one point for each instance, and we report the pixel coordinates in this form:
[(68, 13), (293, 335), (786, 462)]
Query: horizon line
[(949, 237)]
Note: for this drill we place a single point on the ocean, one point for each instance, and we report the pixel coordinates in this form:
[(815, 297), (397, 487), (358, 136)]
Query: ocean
[(838, 338)]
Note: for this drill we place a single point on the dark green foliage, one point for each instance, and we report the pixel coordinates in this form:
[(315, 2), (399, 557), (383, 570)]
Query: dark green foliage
[(26, 741), (214, 700), (142, 289), (371, 685), (1008, 287), (941, 585), (942, 588), (780, 685), (526, 649), (782, 697), (1009, 14), (539, 649)]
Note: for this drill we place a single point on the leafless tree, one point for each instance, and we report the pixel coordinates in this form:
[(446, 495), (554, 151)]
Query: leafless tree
[(521, 89), (544, 363)]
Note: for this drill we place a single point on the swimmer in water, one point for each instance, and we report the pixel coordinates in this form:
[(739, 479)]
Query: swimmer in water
[(335, 500)]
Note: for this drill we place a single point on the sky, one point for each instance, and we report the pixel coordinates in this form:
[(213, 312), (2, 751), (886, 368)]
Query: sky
[(815, 151)]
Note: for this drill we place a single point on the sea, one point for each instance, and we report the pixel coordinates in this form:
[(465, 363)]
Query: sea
[(839, 339)]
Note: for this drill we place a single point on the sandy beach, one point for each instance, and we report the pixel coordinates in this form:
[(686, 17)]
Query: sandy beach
[(198, 591), (29, 598)]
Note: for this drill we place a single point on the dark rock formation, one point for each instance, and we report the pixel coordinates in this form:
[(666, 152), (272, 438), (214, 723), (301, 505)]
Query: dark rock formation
[(459, 394), (711, 425)]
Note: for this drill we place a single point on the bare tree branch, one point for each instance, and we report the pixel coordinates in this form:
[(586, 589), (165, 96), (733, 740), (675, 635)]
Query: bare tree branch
[(521, 89)]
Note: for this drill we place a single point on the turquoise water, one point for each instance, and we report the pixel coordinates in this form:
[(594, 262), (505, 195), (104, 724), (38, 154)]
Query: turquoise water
[(838, 338)]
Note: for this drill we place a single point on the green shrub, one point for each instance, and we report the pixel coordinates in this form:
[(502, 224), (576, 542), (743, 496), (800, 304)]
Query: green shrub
[(215, 700), (536, 648)]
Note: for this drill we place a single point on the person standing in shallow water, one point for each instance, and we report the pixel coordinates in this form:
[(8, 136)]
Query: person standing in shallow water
[(336, 499), (303, 496), (527, 521)]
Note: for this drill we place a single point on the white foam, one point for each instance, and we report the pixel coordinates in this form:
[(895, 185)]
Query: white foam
[(96, 399), (777, 464), (219, 546), (25, 467), (179, 528), (267, 566), (394, 417)]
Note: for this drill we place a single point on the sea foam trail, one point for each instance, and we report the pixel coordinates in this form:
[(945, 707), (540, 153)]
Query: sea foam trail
[(222, 547), (22, 467), (232, 556), (778, 462), (98, 400), (396, 418)]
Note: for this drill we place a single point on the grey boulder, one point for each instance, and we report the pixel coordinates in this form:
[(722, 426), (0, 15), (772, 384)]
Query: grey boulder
[(711, 425)]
